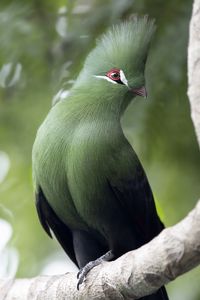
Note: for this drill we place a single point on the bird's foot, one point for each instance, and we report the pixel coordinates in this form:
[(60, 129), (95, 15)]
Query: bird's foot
[(85, 270)]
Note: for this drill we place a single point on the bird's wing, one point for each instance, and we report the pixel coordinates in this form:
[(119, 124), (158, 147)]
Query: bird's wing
[(134, 194), (50, 221)]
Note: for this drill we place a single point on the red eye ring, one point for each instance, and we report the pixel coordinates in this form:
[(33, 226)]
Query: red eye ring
[(114, 74)]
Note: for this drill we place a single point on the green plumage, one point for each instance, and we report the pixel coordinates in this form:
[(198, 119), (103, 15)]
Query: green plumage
[(83, 164), (125, 46), (79, 144)]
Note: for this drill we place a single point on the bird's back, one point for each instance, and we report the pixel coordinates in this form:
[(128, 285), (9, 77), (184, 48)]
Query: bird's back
[(50, 161)]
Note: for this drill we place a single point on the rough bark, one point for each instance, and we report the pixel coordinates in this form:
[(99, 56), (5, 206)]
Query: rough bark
[(137, 273), (141, 272), (194, 67)]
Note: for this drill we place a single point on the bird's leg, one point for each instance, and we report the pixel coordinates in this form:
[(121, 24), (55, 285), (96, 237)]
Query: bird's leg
[(84, 271)]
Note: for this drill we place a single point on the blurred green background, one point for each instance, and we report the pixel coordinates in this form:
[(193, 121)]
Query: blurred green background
[(42, 47)]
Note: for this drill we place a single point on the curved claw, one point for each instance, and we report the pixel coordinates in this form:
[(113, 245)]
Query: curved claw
[(82, 273), (78, 274), (80, 281), (85, 270)]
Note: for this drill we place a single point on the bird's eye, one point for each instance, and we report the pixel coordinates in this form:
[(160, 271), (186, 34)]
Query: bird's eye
[(114, 74)]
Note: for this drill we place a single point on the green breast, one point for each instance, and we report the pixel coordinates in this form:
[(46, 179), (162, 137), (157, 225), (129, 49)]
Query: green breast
[(74, 155), (50, 155)]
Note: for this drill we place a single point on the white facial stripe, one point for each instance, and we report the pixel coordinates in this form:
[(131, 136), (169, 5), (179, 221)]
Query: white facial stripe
[(106, 78), (123, 78)]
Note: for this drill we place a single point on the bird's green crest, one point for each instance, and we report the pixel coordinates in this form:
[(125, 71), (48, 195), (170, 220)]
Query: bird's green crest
[(124, 46)]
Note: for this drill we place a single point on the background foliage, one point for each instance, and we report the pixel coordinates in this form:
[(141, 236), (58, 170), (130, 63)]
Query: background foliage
[(42, 47)]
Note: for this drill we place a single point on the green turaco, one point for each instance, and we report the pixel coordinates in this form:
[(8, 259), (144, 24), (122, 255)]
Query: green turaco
[(91, 189)]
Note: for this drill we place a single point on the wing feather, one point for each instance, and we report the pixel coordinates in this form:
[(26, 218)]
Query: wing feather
[(50, 221), (135, 196)]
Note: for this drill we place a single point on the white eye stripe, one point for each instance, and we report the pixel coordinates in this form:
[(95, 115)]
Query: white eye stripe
[(122, 78), (106, 78)]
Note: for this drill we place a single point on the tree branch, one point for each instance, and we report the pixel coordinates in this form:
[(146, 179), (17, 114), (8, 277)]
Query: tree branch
[(141, 272), (137, 273)]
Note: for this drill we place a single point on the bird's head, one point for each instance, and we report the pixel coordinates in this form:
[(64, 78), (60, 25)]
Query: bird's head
[(118, 61)]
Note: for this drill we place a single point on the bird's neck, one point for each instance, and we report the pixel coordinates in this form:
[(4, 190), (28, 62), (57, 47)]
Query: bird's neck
[(100, 104)]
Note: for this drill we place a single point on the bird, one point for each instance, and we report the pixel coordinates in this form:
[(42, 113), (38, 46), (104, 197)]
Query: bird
[(90, 187)]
